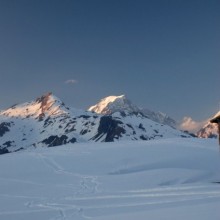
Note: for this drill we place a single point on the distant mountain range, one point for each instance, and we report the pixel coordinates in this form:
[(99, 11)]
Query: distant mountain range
[(48, 122), (112, 104)]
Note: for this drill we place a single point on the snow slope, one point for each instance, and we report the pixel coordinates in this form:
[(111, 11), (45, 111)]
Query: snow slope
[(159, 179)]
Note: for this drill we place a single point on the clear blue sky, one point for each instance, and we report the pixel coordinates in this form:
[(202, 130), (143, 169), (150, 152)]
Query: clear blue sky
[(163, 54)]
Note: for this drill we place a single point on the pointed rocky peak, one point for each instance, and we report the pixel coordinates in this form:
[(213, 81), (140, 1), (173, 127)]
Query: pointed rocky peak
[(208, 121), (45, 97), (209, 130), (48, 100), (48, 97), (46, 105), (112, 104)]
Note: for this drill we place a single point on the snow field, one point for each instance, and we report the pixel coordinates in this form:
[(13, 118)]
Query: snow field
[(160, 179)]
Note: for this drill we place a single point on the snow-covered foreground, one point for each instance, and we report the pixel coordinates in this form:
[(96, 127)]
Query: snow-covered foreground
[(163, 179)]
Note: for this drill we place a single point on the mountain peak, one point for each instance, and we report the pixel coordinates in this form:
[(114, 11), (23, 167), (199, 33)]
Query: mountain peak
[(112, 104), (47, 100), (47, 104), (44, 97), (209, 130)]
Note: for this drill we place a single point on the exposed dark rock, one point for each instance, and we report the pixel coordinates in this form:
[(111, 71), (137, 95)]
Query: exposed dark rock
[(84, 116), (141, 127), (158, 135), (110, 127), (73, 140), (210, 136), (122, 113), (8, 143), (54, 140), (130, 126), (184, 136), (4, 150), (142, 137), (47, 122), (194, 135), (45, 106), (41, 117), (19, 149), (70, 129), (43, 99), (83, 131), (4, 127), (70, 123)]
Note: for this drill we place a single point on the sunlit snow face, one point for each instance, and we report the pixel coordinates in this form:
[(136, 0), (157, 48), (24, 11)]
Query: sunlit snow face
[(113, 104), (51, 105)]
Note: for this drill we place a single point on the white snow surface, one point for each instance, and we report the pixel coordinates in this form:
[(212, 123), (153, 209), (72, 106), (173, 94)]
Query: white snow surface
[(112, 104), (169, 179)]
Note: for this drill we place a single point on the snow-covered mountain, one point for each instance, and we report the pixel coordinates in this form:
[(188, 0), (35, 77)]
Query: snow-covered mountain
[(47, 121), (43, 122), (112, 104), (209, 130)]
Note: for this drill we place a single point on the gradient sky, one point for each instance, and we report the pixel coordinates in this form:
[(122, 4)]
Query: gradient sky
[(162, 54)]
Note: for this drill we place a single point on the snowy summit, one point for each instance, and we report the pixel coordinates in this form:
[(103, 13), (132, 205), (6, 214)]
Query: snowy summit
[(112, 104), (46, 105)]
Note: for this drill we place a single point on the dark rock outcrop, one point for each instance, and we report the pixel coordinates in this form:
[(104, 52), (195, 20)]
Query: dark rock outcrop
[(4, 150), (4, 127), (110, 127), (54, 140)]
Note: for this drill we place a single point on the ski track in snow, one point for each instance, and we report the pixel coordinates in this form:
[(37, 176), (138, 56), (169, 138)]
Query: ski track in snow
[(166, 196), (88, 185)]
